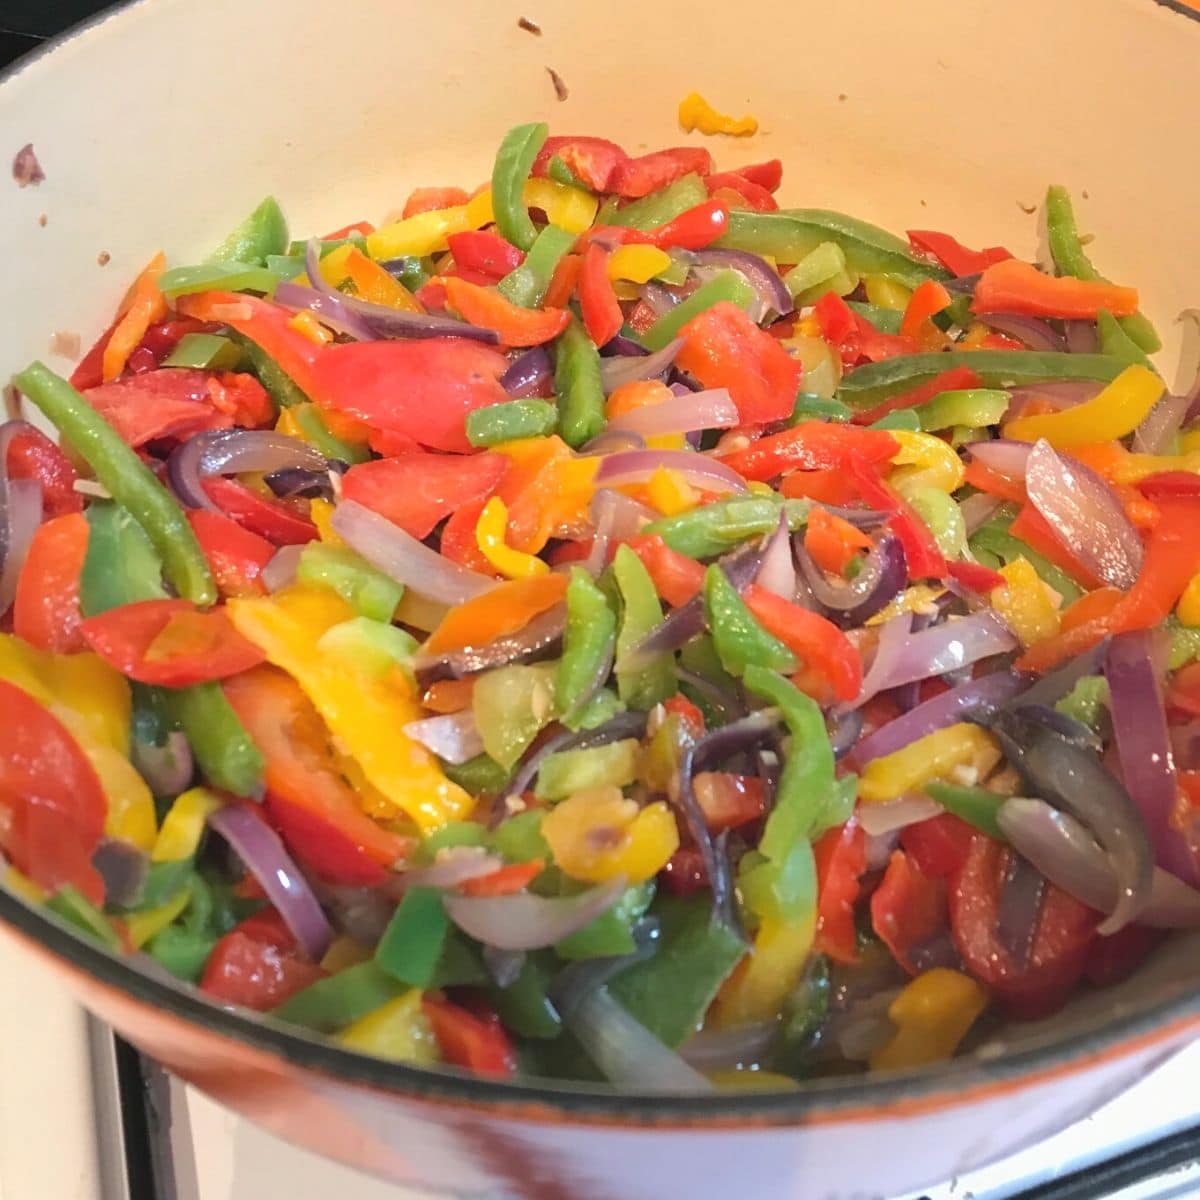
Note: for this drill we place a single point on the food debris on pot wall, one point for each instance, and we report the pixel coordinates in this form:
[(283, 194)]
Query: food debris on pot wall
[(26, 169), (560, 88), (529, 26)]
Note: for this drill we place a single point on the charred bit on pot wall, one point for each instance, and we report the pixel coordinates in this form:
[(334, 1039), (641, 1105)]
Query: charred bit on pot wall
[(560, 88), (26, 169), (102, 259), (66, 343), (529, 26)]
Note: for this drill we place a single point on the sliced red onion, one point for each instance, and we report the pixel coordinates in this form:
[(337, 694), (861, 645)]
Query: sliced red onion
[(637, 466), (229, 451), (280, 571), (20, 516), (1085, 514), (540, 639), (629, 368), (692, 412), (978, 509), (302, 481), (123, 868), (1072, 778), (948, 708), (879, 820), (613, 441), (1140, 730), (1021, 894), (402, 557), (1082, 337), (963, 285), (725, 702), (528, 922), (528, 374), (504, 966), (380, 320), (329, 310), (659, 298), (1062, 393), (453, 737), (1003, 455), (1034, 332), (452, 867), (167, 769), (777, 571), (616, 518), (361, 912), (881, 578), (904, 657), (736, 1046), (758, 273), (1162, 423), (844, 729), (626, 1052), (621, 346), (264, 856), (1063, 850)]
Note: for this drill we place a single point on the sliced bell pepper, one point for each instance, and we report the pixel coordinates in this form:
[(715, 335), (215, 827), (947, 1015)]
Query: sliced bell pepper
[(485, 252), (739, 639), (516, 326), (854, 336), (696, 113), (491, 532), (514, 160), (811, 446), (653, 680), (169, 643), (153, 405), (921, 552), (578, 386), (602, 316), (510, 421), (841, 858), (32, 455), (478, 1043), (430, 199), (932, 1015), (258, 965), (1019, 287), (235, 555), (636, 177), (263, 231), (754, 194), (931, 757), (953, 255), (416, 491), (926, 302), (531, 283), (144, 305), (315, 811), (363, 709), (51, 799), (458, 542), (46, 604), (723, 347), (503, 610), (398, 1031), (832, 540), (592, 160), (907, 909), (1119, 409), (280, 522)]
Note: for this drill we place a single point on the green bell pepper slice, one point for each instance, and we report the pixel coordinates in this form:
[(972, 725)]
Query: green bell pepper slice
[(519, 837), (1087, 702), (525, 1006), (270, 374), (263, 232), (719, 526), (886, 320), (481, 775), (205, 351), (1185, 643), (312, 425), (182, 953), (369, 592), (994, 538), (821, 264), (652, 679), (569, 771), (341, 999), (978, 407), (610, 935), (975, 805), (223, 749), (78, 911), (811, 407), (739, 639), (411, 945), (588, 643), (120, 566), (456, 833), (526, 285), (126, 478), (649, 212), (227, 276), (728, 285), (511, 704), (511, 420), (941, 514), (1071, 259), (904, 418), (1115, 340), (578, 386), (514, 161)]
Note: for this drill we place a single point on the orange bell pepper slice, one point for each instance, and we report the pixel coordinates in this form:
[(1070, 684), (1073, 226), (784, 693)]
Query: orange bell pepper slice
[(516, 326), (929, 298), (1019, 287), (144, 305), (503, 610), (832, 540)]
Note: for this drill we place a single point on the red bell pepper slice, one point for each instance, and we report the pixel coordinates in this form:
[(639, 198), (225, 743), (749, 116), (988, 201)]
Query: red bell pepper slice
[(315, 810), (925, 560), (167, 403), (907, 909), (928, 299), (984, 479), (276, 520), (1019, 287), (853, 336), (170, 643), (1183, 694), (364, 227), (939, 845), (423, 389), (636, 177), (841, 858), (1114, 958), (684, 874), (1033, 529), (258, 964), (46, 606), (826, 487), (688, 713), (418, 490), (811, 446), (1060, 944), (459, 543), (478, 1043), (602, 316), (516, 326), (767, 174), (1169, 484), (52, 806), (430, 199), (953, 255), (953, 380), (694, 229), (32, 455), (676, 577), (485, 252), (728, 801), (564, 280), (235, 556), (89, 372), (504, 881), (592, 160), (757, 197), (723, 347), (976, 577)]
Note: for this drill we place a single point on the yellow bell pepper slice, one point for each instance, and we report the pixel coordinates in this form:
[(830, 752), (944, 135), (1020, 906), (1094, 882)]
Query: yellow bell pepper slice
[(670, 493), (365, 711), (1119, 409), (762, 981), (936, 756), (321, 512), (885, 292), (598, 834), (371, 282), (924, 461), (93, 703), (424, 233), (184, 824), (398, 1030), (1188, 608), (142, 926), (638, 264), (343, 952), (490, 531), (920, 598), (20, 883), (1025, 603), (307, 325), (570, 208), (695, 113), (932, 1015)]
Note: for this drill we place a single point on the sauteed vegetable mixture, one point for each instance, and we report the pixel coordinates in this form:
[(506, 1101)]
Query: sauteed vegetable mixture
[(608, 626)]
